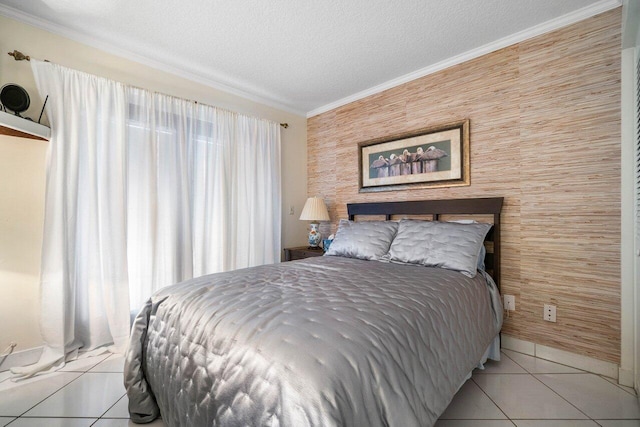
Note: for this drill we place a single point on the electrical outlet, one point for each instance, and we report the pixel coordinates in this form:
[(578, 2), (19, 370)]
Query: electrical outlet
[(509, 302), (549, 313)]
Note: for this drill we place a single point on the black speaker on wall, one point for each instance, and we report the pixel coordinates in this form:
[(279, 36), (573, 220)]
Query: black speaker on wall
[(14, 98)]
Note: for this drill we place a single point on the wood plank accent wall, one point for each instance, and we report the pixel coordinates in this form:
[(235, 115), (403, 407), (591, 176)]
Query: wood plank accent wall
[(545, 134)]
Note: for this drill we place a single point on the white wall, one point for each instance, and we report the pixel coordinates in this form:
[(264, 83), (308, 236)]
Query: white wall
[(627, 257), (22, 163), (22, 172), (630, 292)]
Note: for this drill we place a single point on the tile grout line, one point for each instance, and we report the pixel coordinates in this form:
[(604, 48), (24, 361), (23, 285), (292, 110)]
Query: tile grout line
[(561, 396), (620, 386), (492, 401), (114, 404), (489, 397), (550, 361), (582, 371), (95, 420), (57, 390), (48, 396), (88, 369), (537, 379)]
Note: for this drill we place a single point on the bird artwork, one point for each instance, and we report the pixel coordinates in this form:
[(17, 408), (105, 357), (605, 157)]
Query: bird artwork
[(395, 162), (416, 164), (407, 163), (381, 164), (430, 158), (405, 156), (421, 159), (405, 167), (433, 153)]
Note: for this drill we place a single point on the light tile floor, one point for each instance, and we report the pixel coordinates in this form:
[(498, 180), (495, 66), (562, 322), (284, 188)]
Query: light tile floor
[(519, 390), (525, 391)]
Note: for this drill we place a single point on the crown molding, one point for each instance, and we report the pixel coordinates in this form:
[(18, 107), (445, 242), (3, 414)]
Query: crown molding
[(551, 25), (545, 27), (60, 30)]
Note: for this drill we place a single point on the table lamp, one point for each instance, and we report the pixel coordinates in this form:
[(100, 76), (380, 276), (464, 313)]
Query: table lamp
[(315, 211)]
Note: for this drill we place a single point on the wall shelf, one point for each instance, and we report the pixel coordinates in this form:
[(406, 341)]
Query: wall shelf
[(13, 125)]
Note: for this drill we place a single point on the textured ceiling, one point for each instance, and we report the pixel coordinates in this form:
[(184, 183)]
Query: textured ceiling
[(301, 55)]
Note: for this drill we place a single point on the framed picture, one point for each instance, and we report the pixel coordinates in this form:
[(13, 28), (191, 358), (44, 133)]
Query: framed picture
[(431, 157)]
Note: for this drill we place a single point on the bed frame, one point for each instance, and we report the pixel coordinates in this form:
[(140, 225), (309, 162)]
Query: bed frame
[(435, 208)]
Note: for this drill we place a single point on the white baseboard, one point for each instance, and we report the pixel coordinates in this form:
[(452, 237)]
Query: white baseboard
[(573, 360), (625, 377), (516, 344), (21, 358)]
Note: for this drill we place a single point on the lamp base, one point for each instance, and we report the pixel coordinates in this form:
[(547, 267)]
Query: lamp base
[(314, 236)]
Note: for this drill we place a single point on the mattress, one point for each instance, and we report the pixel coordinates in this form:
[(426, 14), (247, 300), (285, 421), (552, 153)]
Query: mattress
[(325, 341)]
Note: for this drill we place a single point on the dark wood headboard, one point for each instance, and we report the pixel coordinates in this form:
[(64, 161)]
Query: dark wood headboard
[(435, 208)]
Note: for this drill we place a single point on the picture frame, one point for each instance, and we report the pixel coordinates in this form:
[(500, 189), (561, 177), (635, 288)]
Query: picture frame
[(432, 157)]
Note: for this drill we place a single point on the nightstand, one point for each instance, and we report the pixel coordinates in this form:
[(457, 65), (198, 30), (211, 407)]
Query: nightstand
[(301, 252)]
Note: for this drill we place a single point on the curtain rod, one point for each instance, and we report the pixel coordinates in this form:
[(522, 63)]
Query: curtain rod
[(19, 56)]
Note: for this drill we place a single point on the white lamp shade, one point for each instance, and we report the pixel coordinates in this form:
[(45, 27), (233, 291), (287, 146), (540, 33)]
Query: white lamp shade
[(314, 210)]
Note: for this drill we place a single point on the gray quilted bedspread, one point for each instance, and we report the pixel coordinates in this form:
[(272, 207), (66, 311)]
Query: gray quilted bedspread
[(325, 341)]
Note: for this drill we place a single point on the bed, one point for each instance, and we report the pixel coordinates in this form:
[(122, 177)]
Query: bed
[(367, 335)]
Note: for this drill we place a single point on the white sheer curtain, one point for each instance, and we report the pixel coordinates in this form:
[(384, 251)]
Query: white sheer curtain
[(199, 178), (160, 233), (84, 284), (143, 190)]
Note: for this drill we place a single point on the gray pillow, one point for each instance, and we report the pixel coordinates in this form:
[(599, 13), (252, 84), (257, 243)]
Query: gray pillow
[(363, 240), (481, 256), (447, 245), (483, 251)]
